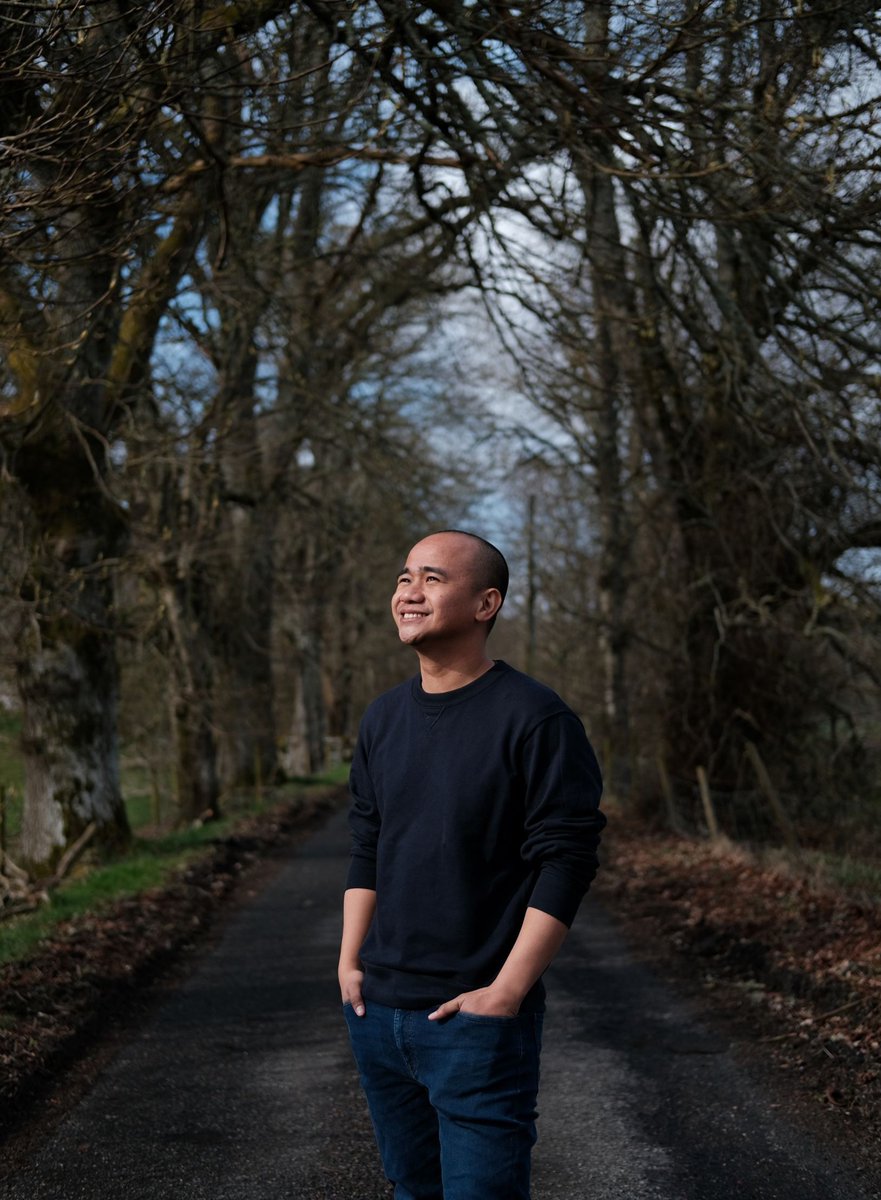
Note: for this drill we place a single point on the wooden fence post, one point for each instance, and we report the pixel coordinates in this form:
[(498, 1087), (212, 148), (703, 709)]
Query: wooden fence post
[(667, 792), (607, 767), (258, 777), (781, 816), (707, 801)]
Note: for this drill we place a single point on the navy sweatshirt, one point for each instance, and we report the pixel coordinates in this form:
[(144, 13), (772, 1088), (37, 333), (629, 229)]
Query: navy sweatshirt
[(467, 807)]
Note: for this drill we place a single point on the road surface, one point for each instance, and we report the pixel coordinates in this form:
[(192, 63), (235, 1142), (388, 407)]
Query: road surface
[(241, 1086)]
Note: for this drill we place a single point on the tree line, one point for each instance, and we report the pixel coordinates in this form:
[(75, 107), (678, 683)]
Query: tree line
[(232, 238)]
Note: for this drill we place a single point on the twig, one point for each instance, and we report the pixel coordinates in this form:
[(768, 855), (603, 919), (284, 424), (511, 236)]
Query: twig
[(28, 904), (22, 894), (70, 855), (781, 1037), (12, 871)]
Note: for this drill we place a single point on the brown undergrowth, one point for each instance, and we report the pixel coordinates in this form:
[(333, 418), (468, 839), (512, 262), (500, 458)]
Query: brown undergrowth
[(794, 962)]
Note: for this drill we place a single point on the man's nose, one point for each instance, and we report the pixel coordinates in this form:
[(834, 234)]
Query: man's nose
[(412, 590)]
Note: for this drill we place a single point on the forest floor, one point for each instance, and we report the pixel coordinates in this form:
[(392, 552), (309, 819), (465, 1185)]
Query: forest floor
[(795, 966)]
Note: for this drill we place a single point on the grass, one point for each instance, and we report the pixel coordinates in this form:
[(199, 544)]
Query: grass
[(150, 861), (137, 872), (859, 876)]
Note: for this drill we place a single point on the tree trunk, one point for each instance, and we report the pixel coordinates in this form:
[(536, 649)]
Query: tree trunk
[(197, 787), (312, 692), (304, 752), (295, 759), (244, 699), (195, 755), (69, 690), (612, 320), (66, 667)]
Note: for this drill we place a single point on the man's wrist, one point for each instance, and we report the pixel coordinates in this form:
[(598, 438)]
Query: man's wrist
[(507, 995)]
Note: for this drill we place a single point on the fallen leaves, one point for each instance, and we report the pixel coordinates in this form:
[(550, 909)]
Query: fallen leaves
[(799, 963)]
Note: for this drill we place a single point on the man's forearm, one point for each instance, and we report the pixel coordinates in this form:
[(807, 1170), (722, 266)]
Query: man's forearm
[(359, 905), (540, 937)]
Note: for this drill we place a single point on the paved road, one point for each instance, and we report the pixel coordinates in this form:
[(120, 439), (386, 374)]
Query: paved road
[(241, 1086)]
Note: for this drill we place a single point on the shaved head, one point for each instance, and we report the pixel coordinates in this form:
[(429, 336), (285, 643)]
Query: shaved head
[(489, 562), (451, 587), (490, 565)]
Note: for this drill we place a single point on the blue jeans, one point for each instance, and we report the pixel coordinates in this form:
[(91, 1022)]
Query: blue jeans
[(452, 1102)]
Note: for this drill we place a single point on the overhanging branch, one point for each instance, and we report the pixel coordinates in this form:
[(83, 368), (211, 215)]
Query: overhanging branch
[(331, 156)]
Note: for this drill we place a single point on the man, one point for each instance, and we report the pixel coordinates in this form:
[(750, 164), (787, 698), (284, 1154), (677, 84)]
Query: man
[(475, 823)]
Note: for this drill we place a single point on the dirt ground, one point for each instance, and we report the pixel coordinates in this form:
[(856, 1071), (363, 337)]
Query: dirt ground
[(796, 967)]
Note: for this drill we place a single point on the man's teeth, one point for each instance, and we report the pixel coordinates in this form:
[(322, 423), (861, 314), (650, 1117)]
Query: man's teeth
[(411, 616)]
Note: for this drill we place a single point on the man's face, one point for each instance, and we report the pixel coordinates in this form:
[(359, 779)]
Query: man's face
[(437, 596)]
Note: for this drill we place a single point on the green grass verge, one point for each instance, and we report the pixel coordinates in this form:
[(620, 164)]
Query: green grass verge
[(149, 863), (849, 874), (137, 872)]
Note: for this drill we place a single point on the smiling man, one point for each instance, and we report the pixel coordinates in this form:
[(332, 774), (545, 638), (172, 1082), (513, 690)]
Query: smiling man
[(475, 826)]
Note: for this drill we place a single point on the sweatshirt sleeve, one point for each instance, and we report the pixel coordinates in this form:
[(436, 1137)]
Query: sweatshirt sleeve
[(364, 820), (563, 819)]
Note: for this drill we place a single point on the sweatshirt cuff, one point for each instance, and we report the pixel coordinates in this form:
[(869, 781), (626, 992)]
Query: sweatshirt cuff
[(362, 874), (557, 897)]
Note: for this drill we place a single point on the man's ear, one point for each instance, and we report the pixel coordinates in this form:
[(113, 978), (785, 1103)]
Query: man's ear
[(490, 603)]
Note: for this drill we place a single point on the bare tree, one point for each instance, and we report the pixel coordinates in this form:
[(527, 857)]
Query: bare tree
[(218, 223), (728, 315), (126, 134), (712, 350), (78, 312)]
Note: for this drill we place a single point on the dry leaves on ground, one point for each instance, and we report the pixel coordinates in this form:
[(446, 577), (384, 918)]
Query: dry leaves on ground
[(796, 963)]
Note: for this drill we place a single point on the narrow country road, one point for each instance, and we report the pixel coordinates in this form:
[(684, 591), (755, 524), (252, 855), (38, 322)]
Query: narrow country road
[(241, 1086)]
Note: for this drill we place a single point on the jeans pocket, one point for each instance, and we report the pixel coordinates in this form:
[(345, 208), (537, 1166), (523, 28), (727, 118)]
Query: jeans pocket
[(488, 1018)]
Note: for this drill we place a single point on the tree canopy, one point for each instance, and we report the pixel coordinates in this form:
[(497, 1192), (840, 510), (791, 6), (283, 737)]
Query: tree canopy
[(234, 237)]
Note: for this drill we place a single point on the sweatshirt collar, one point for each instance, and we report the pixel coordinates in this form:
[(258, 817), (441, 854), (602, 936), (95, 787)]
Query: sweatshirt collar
[(435, 700)]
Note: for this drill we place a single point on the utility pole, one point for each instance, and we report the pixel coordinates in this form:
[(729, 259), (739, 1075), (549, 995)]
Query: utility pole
[(530, 586)]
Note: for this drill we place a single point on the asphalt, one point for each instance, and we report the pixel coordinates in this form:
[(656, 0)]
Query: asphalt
[(241, 1086)]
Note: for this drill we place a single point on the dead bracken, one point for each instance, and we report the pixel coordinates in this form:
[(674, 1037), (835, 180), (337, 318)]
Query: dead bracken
[(796, 964)]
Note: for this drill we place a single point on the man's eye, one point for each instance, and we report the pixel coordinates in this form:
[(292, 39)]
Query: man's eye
[(434, 577)]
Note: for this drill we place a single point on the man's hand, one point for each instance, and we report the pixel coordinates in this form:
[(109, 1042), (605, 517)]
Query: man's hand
[(359, 905), (351, 979), (540, 937), (483, 1002)]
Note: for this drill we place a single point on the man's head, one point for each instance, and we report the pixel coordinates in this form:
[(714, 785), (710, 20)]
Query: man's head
[(451, 587)]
